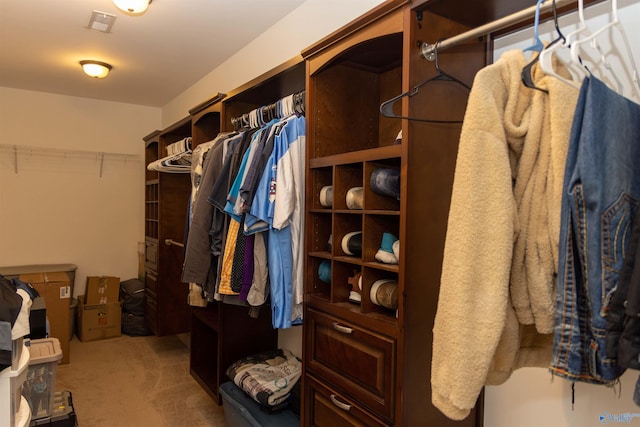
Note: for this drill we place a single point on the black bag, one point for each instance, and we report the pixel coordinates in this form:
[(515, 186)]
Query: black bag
[(134, 326), (132, 295)]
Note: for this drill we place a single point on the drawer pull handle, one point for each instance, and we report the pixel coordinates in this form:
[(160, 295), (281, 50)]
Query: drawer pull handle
[(339, 404), (341, 328)]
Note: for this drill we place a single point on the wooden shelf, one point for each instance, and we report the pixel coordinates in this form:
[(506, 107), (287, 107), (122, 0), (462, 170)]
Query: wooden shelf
[(348, 139)]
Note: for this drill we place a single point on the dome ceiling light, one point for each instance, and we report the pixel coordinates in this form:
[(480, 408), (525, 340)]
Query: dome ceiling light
[(96, 69), (132, 6)]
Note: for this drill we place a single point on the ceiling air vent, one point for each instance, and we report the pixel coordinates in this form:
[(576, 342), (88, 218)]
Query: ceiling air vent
[(101, 21)]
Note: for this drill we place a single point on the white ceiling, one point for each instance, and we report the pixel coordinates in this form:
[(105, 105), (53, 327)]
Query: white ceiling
[(155, 56)]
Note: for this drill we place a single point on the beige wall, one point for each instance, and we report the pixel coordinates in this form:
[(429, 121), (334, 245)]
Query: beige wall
[(309, 23), (58, 209)]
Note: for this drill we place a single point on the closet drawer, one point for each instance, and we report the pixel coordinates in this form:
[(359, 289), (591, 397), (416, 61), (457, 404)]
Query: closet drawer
[(326, 407), (151, 281), (151, 254), (359, 362)]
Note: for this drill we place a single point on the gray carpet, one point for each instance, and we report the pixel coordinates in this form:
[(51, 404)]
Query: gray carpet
[(136, 381)]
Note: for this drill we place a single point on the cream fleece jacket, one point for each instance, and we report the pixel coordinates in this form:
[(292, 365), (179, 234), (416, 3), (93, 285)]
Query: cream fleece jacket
[(497, 291)]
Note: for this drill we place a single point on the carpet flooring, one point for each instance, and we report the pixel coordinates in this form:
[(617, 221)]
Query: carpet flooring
[(136, 381)]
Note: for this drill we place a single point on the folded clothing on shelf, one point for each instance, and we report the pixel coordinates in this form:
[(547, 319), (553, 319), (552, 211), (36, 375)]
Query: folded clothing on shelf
[(267, 377)]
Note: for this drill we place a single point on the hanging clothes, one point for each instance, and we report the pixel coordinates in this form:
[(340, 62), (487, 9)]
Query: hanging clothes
[(197, 169), (269, 198), (289, 206), (235, 208), (198, 255), (602, 195), (254, 185), (235, 164), (496, 304)]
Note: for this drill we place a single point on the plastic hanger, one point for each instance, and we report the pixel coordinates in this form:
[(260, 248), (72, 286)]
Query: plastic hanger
[(527, 71), (288, 106), (577, 70), (386, 108), (537, 45), (602, 57)]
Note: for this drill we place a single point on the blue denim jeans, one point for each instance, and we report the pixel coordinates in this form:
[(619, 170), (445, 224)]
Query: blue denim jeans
[(601, 195)]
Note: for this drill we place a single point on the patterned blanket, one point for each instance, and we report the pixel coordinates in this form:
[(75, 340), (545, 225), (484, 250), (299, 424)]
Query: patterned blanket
[(267, 377)]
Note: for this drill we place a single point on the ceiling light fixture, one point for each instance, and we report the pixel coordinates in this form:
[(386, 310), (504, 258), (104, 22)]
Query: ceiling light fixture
[(132, 6), (96, 69)]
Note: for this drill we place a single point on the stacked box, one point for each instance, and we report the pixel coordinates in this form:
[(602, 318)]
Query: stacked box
[(100, 310), (102, 290), (40, 383), (99, 321)]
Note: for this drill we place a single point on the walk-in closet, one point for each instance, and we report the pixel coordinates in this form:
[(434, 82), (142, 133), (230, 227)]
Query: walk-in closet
[(320, 213)]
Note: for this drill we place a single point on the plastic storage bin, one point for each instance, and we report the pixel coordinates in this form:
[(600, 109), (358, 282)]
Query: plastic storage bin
[(242, 411), (63, 414), (40, 384), (12, 410)]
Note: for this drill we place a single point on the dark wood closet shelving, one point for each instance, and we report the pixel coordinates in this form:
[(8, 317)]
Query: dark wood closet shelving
[(223, 333), (167, 312), (365, 364), (220, 333)]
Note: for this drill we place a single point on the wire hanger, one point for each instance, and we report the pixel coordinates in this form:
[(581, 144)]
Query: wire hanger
[(527, 71), (386, 108)]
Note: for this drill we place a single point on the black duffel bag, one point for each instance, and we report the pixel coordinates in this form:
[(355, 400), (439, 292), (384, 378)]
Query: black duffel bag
[(132, 297)]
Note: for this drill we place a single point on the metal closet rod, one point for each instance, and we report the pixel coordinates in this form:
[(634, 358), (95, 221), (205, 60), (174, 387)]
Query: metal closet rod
[(428, 49)]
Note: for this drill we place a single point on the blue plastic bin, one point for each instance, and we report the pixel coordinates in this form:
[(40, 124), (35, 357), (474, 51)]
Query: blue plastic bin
[(242, 411)]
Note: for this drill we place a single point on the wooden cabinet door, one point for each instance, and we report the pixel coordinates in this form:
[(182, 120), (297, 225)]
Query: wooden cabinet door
[(328, 408), (360, 362)]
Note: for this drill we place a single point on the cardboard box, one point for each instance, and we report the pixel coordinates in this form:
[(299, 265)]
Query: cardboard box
[(98, 321), (102, 290), (55, 288)]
